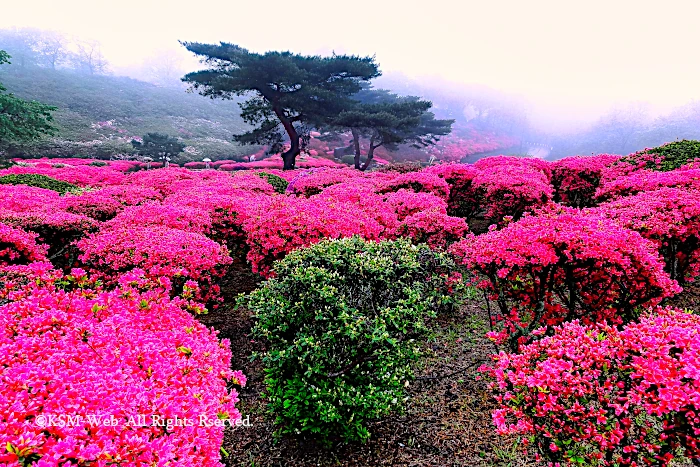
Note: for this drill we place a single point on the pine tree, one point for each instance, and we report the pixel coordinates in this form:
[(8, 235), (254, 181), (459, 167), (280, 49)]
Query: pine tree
[(286, 94)]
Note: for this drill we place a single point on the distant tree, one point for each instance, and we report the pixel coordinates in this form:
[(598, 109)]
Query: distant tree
[(21, 45), (296, 92), (389, 120), (620, 131), (22, 121), (681, 123), (158, 146), (52, 48), (88, 57), (164, 68)]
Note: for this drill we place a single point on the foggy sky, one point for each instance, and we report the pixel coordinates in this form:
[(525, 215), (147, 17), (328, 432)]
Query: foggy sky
[(572, 59)]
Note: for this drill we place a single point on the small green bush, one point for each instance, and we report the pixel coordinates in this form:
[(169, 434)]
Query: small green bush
[(98, 163), (341, 319), (40, 181), (277, 182), (350, 160)]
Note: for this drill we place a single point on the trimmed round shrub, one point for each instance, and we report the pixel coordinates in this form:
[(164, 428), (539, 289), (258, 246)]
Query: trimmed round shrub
[(39, 181), (511, 189), (433, 227), (341, 319), (555, 267), (400, 167), (58, 230), (79, 175), (313, 181), (184, 218), (420, 182), (407, 203), (159, 251), (647, 180), (105, 203), (23, 198), (293, 222), (277, 182)]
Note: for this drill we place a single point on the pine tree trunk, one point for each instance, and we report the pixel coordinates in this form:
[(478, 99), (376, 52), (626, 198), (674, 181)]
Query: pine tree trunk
[(356, 144), (290, 156), (370, 155)]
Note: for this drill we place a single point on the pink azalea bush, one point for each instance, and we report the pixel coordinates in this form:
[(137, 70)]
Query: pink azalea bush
[(533, 163), (184, 218), (195, 165), (419, 182), (81, 175), (18, 247), (159, 251), (228, 212), (576, 179), (361, 194), (432, 227), (314, 181), (465, 199), (512, 189), (602, 395), (670, 218), (26, 198), (290, 223), (57, 230), (555, 267), (647, 180), (106, 203), (132, 357), (407, 203), (160, 180)]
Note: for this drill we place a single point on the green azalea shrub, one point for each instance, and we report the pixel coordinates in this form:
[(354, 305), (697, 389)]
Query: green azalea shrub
[(342, 320)]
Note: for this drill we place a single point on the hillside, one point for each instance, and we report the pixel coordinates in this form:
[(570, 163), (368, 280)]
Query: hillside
[(99, 115)]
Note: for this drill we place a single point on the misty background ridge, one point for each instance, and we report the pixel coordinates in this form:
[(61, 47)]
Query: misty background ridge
[(99, 101)]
